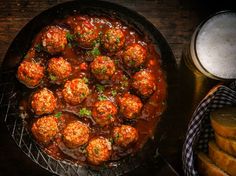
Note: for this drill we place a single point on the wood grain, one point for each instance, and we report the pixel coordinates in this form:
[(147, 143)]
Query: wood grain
[(175, 19)]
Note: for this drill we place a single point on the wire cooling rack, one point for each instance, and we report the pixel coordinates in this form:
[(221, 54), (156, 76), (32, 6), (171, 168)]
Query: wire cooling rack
[(9, 113)]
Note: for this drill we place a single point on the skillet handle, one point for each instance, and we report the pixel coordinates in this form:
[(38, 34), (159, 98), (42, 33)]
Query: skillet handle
[(163, 167)]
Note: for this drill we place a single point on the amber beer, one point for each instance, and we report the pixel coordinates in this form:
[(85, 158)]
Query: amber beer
[(212, 50)]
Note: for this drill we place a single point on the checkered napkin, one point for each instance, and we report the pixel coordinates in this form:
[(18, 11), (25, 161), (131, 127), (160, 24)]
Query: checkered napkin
[(199, 129)]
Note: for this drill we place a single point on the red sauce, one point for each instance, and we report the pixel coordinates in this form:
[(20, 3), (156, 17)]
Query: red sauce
[(153, 106)]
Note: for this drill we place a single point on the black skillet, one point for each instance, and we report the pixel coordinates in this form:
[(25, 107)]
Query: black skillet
[(11, 89)]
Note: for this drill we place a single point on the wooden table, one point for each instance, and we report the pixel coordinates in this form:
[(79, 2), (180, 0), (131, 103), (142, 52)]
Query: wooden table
[(176, 20)]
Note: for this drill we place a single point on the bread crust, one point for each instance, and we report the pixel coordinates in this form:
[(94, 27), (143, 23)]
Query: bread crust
[(226, 144), (223, 160), (223, 122), (207, 168)]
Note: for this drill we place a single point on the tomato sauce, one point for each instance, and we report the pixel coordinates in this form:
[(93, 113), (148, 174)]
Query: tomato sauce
[(80, 59)]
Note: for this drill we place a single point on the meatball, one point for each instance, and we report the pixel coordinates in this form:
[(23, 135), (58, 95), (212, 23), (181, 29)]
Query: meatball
[(113, 39), (134, 55), (54, 39), (125, 135), (104, 112), (86, 33), (120, 81), (103, 67), (45, 129), (75, 91), (58, 69), (144, 82), (98, 150), (43, 102), (130, 105), (75, 134), (30, 73)]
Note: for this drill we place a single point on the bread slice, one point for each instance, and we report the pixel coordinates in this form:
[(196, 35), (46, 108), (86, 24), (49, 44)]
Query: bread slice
[(223, 121), (226, 144), (223, 160), (207, 168)]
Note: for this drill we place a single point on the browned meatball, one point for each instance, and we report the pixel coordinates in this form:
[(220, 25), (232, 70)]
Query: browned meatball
[(113, 39), (45, 129), (134, 55), (86, 33), (30, 73), (43, 102), (75, 134), (98, 150), (144, 82), (125, 135), (58, 69), (75, 91), (54, 39), (103, 67), (130, 105), (104, 112)]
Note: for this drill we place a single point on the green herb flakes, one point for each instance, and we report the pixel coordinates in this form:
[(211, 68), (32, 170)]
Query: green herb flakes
[(85, 79), (100, 88), (69, 36), (58, 115), (113, 92), (117, 40), (85, 112), (109, 116), (52, 77), (95, 51), (38, 47), (96, 150), (102, 97)]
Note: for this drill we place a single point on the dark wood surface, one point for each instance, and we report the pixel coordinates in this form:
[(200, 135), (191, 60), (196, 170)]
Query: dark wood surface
[(176, 20)]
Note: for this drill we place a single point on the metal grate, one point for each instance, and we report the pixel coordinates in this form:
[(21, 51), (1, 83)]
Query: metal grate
[(9, 99)]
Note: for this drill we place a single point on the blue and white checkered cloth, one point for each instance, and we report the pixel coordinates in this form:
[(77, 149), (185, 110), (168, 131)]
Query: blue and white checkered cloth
[(199, 129)]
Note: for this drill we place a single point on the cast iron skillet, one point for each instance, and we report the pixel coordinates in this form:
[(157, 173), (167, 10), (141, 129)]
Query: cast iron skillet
[(11, 89)]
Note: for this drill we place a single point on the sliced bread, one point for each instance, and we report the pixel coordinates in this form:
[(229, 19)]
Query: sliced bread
[(226, 144), (207, 168), (223, 160), (223, 122)]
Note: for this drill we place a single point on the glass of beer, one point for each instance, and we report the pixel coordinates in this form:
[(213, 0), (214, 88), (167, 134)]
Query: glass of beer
[(208, 59), (212, 50)]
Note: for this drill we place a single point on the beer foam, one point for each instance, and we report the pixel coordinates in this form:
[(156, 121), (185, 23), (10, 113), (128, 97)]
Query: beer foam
[(216, 45)]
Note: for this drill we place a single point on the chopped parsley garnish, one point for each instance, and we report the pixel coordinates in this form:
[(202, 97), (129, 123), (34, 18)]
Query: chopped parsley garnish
[(69, 36), (102, 97), (117, 40), (111, 140), (52, 77), (113, 92), (116, 61), (96, 150), (96, 43), (95, 51), (84, 112), (103, 70), (82, 95), (117, 136), (124, 78), (70, 45), (58, 115), (100, 70), (109, 116), (132, 63), (100, 88), (85, 79), (38, 47)]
